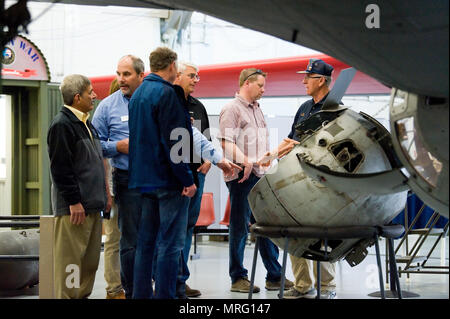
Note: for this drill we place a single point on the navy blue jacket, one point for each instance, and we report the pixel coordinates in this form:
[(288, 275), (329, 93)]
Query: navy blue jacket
[(155, 110)]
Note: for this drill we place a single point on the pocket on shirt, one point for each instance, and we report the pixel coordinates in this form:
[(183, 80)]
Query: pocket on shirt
[(244, 123)]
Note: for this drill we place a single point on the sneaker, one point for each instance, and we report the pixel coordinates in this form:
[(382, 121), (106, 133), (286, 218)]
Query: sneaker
[(192, 292), (275, 285), (119, 295), (295, 294), (243, 285), (331, 294)]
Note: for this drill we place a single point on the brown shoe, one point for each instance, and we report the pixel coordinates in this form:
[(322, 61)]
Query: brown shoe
[(243, 285), (119, 295), (271, 285), (192, 292)]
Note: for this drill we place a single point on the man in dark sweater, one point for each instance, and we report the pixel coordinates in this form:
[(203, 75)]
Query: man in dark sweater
[(188, 78), (78, 190)]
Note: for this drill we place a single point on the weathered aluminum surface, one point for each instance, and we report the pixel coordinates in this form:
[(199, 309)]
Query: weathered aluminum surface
[(15, 273), (428, 146), (287, 196)]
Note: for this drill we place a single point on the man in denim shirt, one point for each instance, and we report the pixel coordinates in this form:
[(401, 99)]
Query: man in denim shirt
[(111, 121)]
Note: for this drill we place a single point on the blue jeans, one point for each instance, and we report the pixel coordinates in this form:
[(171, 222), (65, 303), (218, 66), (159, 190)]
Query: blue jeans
[(193, 213), (164, 217), (240, 216), (129, 207)]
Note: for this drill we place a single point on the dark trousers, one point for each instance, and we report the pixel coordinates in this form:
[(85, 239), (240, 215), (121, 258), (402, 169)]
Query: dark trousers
[(240, 217), (193, 213), (129, 207), (162, 231)]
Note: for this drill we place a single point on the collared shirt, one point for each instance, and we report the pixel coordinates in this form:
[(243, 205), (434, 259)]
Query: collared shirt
[(111, 121), (305, 110), (83, 117), (243, 124)]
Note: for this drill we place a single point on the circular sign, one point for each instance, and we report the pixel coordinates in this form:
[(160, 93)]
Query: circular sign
[(8, 56)]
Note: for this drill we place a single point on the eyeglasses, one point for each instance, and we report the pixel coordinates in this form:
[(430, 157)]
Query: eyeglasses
[(256, 72), (307, 77), (193, 76)]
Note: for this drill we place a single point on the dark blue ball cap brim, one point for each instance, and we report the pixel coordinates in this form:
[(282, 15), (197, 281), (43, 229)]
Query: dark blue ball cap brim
[(318, 67)]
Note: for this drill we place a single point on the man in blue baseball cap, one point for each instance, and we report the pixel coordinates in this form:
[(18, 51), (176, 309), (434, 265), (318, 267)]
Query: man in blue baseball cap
[(316, 82), (318, 66)]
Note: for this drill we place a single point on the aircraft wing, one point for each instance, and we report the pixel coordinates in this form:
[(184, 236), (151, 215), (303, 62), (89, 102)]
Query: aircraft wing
[(407, 49), (402, 44), (124, 3)]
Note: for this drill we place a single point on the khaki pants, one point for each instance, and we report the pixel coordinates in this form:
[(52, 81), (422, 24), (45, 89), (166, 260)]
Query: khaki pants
[(304, 281), (111, 253), (77, 253)]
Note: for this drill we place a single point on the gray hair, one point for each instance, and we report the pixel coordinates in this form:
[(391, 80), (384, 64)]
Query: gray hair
[(183, 65), (328, 80), (138, 64), (72, 85)]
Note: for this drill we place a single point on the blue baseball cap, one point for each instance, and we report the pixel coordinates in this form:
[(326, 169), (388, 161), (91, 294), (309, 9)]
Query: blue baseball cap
[(318, 66)]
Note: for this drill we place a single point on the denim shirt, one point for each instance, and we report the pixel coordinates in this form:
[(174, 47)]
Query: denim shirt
[(111, 121), (204, 148)]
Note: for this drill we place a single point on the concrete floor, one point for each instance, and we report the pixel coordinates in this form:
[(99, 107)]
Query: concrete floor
[(209, 274)]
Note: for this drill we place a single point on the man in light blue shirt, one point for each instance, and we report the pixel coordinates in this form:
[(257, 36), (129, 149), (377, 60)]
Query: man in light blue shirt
[(111, 121)]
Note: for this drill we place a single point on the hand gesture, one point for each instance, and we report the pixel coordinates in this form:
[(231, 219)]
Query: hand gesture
[(267, 159), (204, 169), (286, 146), (248, 167), (228, 167)]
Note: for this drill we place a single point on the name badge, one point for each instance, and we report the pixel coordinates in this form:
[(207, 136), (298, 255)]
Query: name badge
[(124, 118)]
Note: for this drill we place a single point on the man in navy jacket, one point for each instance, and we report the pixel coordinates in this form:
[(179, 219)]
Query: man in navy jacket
[(160, 128)]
